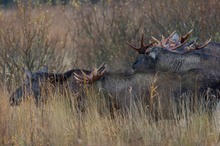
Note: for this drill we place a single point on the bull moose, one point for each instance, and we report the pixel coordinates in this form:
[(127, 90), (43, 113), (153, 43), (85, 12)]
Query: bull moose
[(159, 93), (177, 56)]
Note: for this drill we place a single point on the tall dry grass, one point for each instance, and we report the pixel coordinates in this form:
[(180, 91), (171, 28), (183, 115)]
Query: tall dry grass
[(54, 123), (83, 35)]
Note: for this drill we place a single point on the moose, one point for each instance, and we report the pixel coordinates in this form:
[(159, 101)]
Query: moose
[(159, 94), (176, 55), (35, 82)]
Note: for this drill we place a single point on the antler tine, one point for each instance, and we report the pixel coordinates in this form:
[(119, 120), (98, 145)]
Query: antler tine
[(80, 79), (84, 78), (143, 47), (102, 68), (175, 47), (103, 71), (204, 45), (196, 47), (172, 41), (162, 37), (133, 47), (182, 40), (185, 37), (193, 42), (156, 40), (172, 34), (94, 75), (102, 65), (84, 74), (142, 40), (164, 41)]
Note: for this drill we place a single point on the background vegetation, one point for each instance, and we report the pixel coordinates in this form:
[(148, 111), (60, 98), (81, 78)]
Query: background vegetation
[(82, 34)]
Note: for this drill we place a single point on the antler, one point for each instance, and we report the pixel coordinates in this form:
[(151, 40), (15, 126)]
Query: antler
[(193, 42), (95, 75), (175, 46), (143, 47), (197, 47), (164, 41), (182, 41), (204, 45), (170, 44), (185, 37)]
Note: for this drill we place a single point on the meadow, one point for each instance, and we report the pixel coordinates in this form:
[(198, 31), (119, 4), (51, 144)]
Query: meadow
[(83, 35)]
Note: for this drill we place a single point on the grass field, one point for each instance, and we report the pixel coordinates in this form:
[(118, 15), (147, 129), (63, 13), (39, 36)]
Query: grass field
[(82, 35), (55, 123)]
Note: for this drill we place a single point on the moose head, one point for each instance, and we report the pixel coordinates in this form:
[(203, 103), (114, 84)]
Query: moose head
[(166, 54)]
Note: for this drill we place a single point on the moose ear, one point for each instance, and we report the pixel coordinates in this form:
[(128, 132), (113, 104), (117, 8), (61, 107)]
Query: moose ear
[(43, 70), (153, 54)]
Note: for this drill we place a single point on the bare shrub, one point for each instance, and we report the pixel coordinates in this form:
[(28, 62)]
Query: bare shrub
[(26, 41), (100, 31)]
